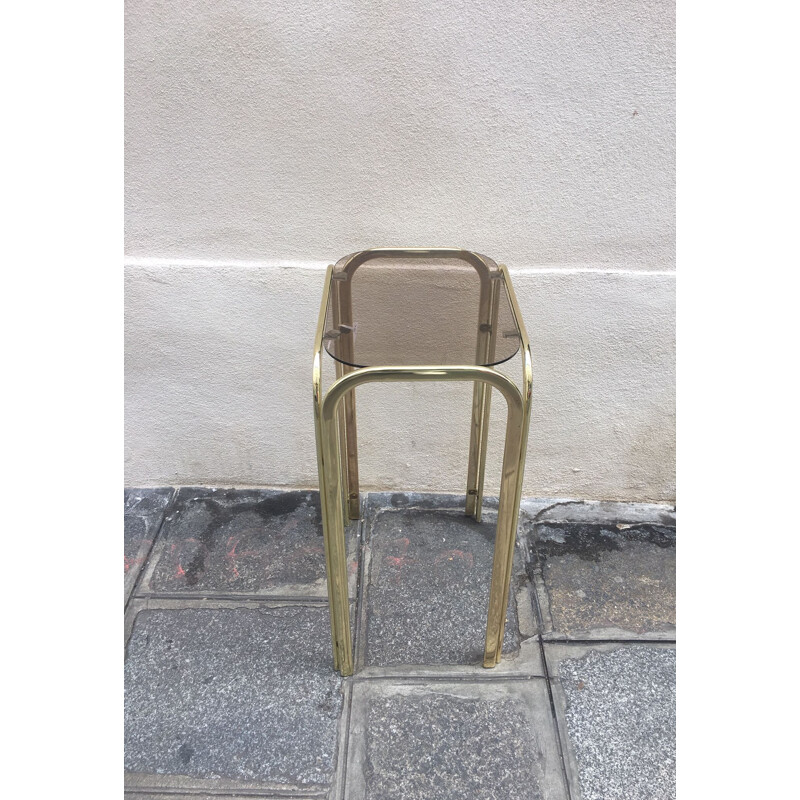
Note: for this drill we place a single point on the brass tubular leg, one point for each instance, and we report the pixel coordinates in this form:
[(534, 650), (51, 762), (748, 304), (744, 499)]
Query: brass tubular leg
[(476, 453), (510, 489), (325, 505), (505, 538), (527, 402), (351, 438), (343, 313), (517, 487), (341, 430), (324, 500), (338, 319), (508, 515), (330, 484), (481, 398), (351, 442)]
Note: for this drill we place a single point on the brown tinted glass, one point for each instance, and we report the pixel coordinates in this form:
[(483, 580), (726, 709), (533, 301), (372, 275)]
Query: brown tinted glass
[(391, 309)]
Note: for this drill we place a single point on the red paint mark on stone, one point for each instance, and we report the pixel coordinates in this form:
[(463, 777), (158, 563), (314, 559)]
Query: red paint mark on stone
[(132, 562), (402, 559), (179, 573)]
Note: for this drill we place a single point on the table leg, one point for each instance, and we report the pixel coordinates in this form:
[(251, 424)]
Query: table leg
[(482, 397), (513, 473), (351, 449), (330, 484), (518, 410), (507, 517), (479, 430), (343, 314)]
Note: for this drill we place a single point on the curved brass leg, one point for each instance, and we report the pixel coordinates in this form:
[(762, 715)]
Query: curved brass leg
[(505, 539), (510, 498), (326, 500), (523, 448), (333, 519)]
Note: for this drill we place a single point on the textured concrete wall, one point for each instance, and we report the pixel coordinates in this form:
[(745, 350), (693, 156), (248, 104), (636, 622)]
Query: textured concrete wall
[(219, 386), (287, 135)]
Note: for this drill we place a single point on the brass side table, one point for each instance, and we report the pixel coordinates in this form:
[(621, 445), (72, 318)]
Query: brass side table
[(460, 319)]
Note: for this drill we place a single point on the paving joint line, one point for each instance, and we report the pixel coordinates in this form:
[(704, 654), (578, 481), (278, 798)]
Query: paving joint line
[(609, 641), (360, 582), (444, 678), (145, 563), (250, 598), (361, 624), (340, 788), (548, 680), (341, 782), (543, 656), (277, 794)]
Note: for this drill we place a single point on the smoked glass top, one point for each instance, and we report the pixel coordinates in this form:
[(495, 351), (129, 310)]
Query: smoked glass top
[(445, 307)]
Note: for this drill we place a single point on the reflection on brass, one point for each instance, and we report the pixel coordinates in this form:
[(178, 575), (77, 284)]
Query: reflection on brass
[(335, 426)]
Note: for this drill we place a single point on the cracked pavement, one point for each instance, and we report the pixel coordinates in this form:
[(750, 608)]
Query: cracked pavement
[(229, 683)]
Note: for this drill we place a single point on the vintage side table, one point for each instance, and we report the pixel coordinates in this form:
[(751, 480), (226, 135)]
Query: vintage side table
[(391, 314)]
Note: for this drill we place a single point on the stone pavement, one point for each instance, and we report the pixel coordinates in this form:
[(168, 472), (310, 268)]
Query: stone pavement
[(229, 685)]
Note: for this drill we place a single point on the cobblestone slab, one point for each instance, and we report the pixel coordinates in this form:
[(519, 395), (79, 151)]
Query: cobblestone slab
[(616, 707), (604, 581), (427, 590), (453, 741), (231, 695), (244, 542), (144, 510)]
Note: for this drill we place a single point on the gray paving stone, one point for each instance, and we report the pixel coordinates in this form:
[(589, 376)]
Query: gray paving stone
[(144, 510), (604, 581), (427, 590), (453, 741), (618, 705), (237, 694), (245, 541)]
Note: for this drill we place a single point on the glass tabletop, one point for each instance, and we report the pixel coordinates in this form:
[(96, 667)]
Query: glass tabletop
[(419, 307)]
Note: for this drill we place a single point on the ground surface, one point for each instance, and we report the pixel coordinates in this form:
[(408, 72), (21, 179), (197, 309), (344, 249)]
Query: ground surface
[(229, 685)]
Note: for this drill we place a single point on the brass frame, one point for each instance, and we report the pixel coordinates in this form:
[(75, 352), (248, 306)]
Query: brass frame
[(335, 428)]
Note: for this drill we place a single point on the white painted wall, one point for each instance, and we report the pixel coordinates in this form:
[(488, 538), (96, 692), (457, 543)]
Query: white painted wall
[(264, 140)]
